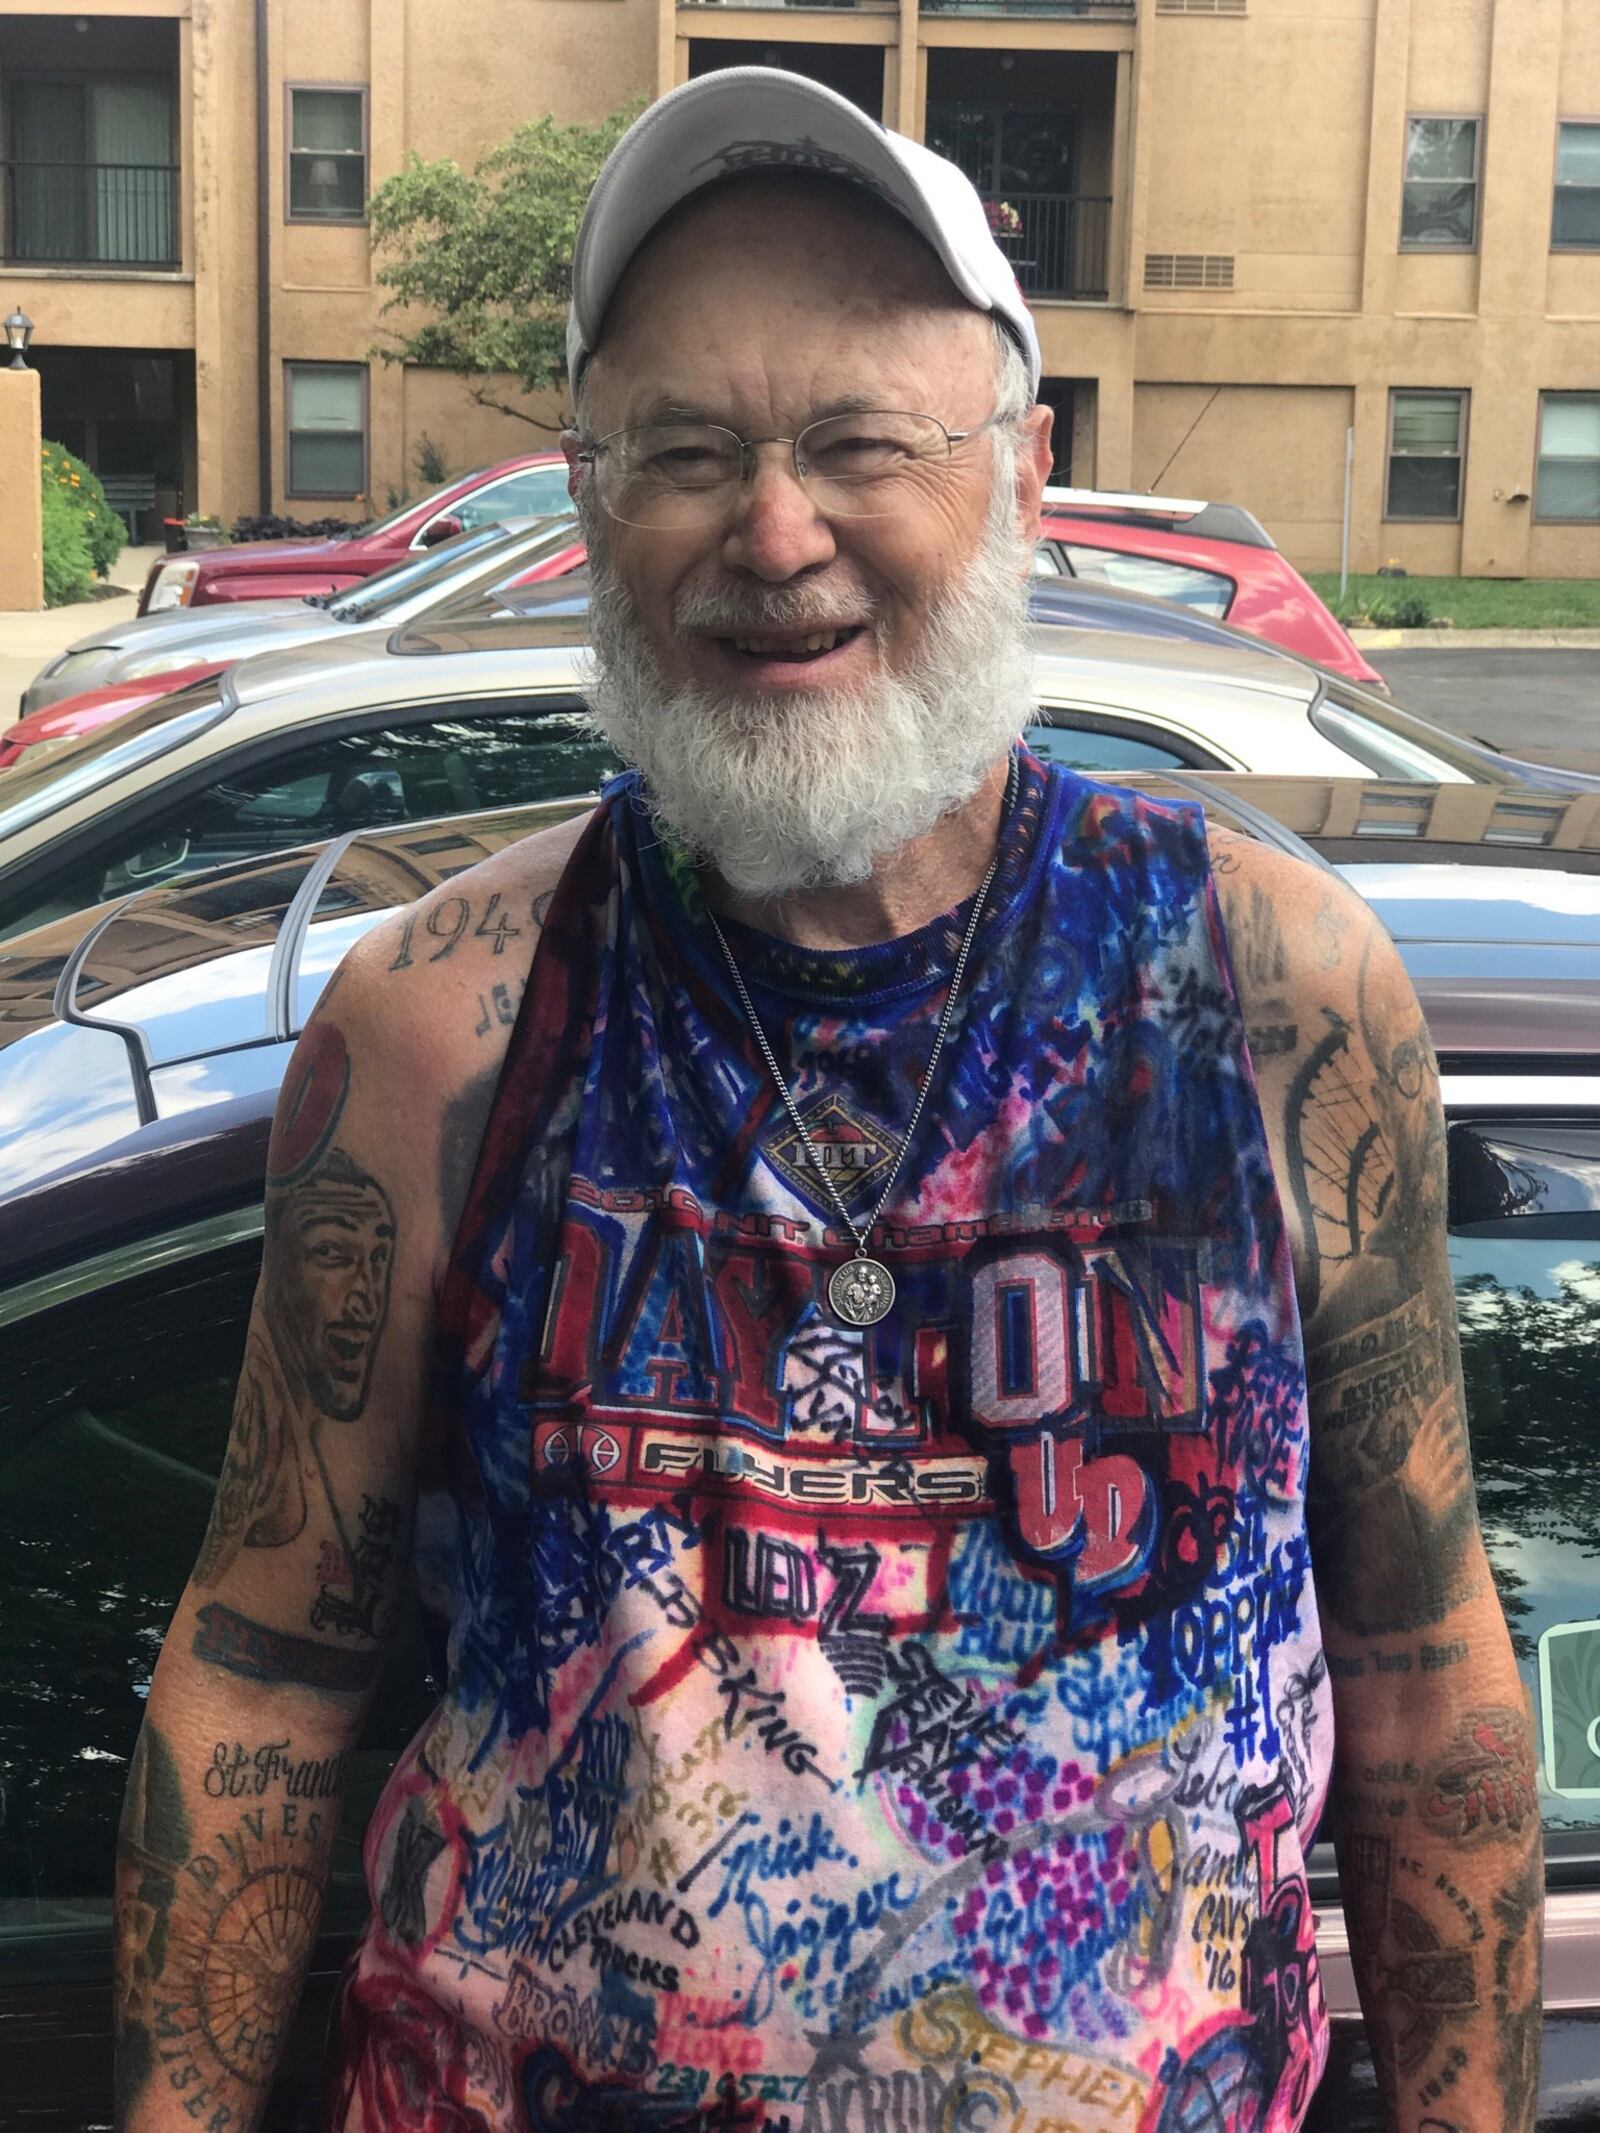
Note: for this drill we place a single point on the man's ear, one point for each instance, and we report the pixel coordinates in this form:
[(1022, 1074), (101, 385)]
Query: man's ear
[(1033, 467), (571, 443)]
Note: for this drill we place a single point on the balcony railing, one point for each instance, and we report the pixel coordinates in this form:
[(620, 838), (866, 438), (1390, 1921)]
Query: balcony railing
[(92, 214), (1063, 246)]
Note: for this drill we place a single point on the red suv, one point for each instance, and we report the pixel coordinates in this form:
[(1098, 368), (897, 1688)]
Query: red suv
[(1214, 557), (530, 487)]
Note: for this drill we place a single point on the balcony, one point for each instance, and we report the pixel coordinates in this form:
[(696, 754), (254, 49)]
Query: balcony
[(1063, 247), (91, 214)]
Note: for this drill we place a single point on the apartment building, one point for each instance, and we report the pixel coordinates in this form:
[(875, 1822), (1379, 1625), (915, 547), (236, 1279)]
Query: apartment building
[(1249, 229)]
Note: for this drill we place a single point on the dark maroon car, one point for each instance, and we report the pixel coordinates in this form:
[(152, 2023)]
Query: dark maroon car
[(533, 486), (141, 1047)]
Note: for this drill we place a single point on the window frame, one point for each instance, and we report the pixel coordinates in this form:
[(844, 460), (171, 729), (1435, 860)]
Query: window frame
[(291, 364), (348, 88), (1477, 120), (1557, 518), (1463, 399), (1558, 244)]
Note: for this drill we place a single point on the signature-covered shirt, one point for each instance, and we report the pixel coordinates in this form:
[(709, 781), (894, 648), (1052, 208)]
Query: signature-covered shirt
[(917, 1727)]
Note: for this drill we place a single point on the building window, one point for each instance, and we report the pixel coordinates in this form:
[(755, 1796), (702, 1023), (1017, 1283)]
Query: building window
[(1569, 456), (1575, 225), (327, 155), (327, 429), (1439, 211), (1426, 448)]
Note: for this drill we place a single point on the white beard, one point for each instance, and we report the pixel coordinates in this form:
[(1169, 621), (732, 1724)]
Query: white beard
[(814, 786)]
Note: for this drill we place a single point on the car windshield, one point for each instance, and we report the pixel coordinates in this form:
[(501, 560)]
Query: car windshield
[(380, 595), (428, 503), (1396, 744), (31, 790)]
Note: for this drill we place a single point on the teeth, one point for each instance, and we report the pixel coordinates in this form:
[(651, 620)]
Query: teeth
[(817, 641)]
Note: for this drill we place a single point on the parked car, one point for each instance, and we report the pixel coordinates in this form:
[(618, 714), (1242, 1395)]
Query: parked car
[(75, 715), (1218, 558), (532, 486), (460, 712), (493, 556), (140, 1052)]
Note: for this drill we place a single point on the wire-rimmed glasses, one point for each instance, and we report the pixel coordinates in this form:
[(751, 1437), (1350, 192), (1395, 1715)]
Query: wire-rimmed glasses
[(679, 474)]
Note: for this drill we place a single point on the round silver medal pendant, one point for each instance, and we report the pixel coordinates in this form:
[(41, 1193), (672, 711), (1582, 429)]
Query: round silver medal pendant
[(861, 1291)]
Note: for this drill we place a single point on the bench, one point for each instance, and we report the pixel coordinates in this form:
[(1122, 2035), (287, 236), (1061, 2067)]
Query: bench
[(128, 495)]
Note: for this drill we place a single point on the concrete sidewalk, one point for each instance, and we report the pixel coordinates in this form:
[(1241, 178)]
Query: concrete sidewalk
[(28, 640), (1443, 640)]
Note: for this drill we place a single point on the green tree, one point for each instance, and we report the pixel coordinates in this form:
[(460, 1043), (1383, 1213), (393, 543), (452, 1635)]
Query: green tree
[(479, 267)]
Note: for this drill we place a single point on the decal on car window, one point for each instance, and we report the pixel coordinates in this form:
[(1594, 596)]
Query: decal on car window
[(1569, 1699)]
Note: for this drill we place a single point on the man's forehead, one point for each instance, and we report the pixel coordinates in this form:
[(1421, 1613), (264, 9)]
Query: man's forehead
[(862, 302)]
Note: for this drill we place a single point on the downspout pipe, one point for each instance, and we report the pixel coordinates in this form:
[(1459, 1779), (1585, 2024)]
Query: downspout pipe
[(263, 271)]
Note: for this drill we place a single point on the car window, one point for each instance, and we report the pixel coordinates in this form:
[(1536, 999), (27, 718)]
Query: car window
[(1207, 591), (1094, 745), (451, 762), (1046, 563), (534, 493), (1525, 1257), (378, 596), (117, 1411), (1394, 743)]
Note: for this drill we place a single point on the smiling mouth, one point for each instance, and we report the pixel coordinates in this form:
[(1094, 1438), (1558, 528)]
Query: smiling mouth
[(796, 647)]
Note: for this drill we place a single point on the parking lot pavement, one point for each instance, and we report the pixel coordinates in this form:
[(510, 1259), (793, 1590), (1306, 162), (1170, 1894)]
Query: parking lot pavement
[(1539, 704)]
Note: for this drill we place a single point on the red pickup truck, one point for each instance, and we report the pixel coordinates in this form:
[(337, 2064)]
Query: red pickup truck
[(528, 487)]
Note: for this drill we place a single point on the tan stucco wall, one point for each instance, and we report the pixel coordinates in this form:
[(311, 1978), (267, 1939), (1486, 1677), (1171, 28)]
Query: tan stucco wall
[(21, 564), (1275, 138)]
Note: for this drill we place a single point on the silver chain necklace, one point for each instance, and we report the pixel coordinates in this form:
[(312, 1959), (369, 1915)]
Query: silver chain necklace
[(861, 1291)]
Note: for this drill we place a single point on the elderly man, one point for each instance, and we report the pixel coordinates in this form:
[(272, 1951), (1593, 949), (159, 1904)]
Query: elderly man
[(924, 1360)]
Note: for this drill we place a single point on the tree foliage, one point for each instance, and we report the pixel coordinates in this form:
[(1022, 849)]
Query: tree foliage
[(479, 266)]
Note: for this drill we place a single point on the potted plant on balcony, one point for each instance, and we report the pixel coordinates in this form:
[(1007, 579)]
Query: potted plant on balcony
[(1005, 223)]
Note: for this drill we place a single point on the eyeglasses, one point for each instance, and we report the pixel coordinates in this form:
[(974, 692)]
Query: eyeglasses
[(685, 475)]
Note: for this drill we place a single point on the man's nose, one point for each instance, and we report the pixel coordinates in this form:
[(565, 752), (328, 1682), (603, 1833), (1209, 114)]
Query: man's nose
[(776, 530)]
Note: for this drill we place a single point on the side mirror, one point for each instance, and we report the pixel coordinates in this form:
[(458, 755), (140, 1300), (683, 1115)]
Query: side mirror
[(443, 528)]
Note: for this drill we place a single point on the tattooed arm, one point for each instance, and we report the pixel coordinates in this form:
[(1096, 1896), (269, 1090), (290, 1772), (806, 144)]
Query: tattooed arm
[(1435, 1797), (234, 1793)]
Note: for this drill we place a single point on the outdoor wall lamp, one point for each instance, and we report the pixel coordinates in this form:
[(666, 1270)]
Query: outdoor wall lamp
[(19, 332)]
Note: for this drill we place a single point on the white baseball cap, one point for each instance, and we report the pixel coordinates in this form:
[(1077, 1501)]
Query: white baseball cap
[(763, 118)]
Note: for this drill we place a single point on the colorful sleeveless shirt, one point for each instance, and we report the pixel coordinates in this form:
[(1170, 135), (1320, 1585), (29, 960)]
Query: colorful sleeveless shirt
[(896, 1730)]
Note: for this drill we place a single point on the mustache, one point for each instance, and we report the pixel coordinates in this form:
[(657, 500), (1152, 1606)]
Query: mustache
[(729, 611)]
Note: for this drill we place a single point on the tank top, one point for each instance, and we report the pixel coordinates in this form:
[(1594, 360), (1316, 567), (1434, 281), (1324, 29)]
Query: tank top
[(888, 1730)]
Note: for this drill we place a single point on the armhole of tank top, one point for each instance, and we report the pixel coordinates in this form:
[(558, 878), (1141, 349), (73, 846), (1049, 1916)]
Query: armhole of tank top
[(476, 1205)]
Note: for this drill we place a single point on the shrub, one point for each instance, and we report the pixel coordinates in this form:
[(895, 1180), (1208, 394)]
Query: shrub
[(273, 526), (104, 533), (68, 566), (429, 461), (1404, 611)]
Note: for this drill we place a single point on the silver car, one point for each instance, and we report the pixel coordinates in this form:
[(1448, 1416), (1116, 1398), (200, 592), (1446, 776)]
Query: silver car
[(129, 650), (456, 712)]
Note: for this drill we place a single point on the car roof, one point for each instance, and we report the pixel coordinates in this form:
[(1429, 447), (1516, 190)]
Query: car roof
[(142, 1044), (1173, 514)]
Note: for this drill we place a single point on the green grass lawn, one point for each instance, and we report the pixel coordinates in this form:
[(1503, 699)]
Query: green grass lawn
[(1467, 603)]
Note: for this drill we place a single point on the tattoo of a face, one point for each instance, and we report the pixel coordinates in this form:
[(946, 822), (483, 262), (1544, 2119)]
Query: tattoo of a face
[(330, 1240)]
